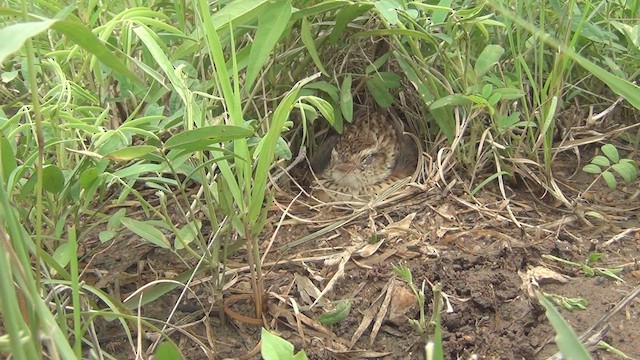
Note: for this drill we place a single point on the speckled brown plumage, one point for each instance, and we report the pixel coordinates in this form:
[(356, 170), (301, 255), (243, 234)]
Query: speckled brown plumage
[(371, 154)]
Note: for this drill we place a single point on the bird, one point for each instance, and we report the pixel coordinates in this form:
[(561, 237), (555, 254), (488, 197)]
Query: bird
[(371, 154)]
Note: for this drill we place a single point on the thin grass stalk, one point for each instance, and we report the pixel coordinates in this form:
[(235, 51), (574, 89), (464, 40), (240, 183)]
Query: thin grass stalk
[(13, 321), (29, 315), (622, 87), (72, 251), (243, 168), (35, 101), (436, 321), (17, 276)]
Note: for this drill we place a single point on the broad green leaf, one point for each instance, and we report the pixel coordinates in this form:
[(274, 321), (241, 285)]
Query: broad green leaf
[(265, 160), (167, 350), (344, 18), (271, 24), (340, 313), (325, 87), (131, 152), (346, 99), (187, 234), (509, 93), (631, 32), (613, 66), (486, 91), (282, 149), (488, 59), (61, 254), (307, 40), (610, 179), (592, 169), (425, 94), (231, 95), (627, 170), (505, 122), (276, 348), (379, 91), (391, 80), (8, 76), (594, 214), (7, 158), (208, 134), (494, 98), (309, 112), (88, 177), (440, 11), (323, 105), (601, 161), (147, 232), (137, 170), (53, 179), (115, 220), (87, 40), (593, 257), (14, 36), (610, 273), (611, 152), (387, 9), (450, 100), (159, 55), (28, 189), (620, 86), (377, 64), (238, 12), (467, 15), (106, 235)]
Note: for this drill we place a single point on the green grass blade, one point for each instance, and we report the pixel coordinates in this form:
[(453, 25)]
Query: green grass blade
[(566, 339), (271, 25), (82, 36), (14, 36), (622, 87), (307, 40), (266, 155)]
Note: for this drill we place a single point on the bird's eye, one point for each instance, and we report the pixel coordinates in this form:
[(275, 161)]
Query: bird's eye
[(367, 160)]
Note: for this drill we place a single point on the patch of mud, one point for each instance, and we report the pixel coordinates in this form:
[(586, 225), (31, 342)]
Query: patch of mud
[(476, 253)]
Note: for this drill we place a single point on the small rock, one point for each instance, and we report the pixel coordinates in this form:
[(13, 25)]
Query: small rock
[(403, 306)]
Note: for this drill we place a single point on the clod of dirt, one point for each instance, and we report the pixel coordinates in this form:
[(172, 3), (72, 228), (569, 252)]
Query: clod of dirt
[(404, 306)]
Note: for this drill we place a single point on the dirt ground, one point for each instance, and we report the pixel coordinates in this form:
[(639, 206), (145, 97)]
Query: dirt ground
[(472, 247)]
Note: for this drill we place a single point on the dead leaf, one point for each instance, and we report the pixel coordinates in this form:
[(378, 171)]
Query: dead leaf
[(544, 275), (367, 249), (398, 228)]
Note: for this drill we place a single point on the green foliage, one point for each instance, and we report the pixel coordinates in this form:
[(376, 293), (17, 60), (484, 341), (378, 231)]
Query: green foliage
[(168, 351), (568, 303), (277, 348), (340, 313), (431, 332), (587, 267), (606, 165), (566, 339)]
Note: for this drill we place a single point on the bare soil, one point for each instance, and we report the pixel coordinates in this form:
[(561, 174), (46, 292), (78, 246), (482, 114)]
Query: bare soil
[(473, 248)]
